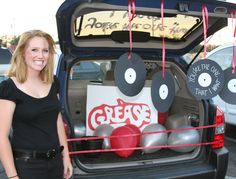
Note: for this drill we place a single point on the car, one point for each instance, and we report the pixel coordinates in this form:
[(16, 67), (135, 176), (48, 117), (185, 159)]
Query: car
[(95, 105), (5, 58), (86, 70), (223, 55), (56, 59)]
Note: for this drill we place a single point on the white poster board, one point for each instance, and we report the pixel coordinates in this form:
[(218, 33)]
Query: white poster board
[(107, 105)]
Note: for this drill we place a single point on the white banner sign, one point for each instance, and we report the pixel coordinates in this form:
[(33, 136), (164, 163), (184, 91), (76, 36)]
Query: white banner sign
[(107, 105)]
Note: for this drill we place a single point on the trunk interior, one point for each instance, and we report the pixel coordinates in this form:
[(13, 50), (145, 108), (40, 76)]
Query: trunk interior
[(184, 109)]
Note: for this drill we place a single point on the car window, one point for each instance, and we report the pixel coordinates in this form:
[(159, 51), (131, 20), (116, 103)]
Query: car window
[(105, 22), (223, 57), (104, 70), (89, 70)]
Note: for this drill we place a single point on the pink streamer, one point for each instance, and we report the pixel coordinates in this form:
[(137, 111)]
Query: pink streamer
[(205, 26), (163, 40), (233, 17), (131, 13)]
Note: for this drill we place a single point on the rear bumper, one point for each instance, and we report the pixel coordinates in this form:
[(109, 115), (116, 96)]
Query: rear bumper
[(215, 168), (219, 159)]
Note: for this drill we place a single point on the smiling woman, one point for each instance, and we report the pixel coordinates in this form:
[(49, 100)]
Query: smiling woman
[(29, 104)]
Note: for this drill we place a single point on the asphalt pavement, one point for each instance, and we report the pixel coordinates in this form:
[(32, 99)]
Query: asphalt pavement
[(2, 173), (230, 144)]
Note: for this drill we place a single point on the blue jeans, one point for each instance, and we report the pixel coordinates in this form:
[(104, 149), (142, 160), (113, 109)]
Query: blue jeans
[(40, 168)]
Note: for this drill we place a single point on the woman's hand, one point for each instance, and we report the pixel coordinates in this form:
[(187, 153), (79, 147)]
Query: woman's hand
[(68, 169)]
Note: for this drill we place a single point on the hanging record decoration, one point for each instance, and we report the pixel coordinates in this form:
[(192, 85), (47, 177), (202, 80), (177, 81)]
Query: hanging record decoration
[(162, 91), (228, 93), (130, 74), (205, 79)]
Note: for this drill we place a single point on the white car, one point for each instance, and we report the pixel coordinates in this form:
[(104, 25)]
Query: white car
[(223, 56)]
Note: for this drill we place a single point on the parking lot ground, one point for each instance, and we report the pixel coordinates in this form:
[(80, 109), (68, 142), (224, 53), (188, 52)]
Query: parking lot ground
[(230, 144), (2, 173)]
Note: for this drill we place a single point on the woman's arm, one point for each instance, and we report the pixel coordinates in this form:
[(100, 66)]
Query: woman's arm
[(68, 169), (6, 113)]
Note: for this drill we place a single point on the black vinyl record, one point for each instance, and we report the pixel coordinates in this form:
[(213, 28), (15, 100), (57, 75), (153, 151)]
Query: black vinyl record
[(130, 74), (228, 93), (205, 79), (162, 91)]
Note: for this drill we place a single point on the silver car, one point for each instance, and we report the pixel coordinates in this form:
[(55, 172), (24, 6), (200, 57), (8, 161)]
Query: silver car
[(223, 55)]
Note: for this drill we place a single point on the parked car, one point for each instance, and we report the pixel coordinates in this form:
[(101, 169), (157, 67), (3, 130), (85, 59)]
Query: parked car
[(223, 55), (86, 70), (5, 58), (97, 32)]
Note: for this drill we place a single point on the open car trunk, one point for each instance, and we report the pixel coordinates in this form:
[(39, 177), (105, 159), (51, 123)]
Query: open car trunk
[(185, 110), (93, 35)]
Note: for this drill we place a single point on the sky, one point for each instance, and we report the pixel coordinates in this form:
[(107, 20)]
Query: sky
[(17, 16)]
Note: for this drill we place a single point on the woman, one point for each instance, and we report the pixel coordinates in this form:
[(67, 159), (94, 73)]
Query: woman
[(29, 104)]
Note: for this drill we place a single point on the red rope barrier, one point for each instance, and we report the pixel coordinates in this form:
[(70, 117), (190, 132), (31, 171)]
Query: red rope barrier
[(139, 148), (144, 133)]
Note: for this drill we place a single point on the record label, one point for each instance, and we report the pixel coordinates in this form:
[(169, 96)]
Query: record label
[(232, 85), (130, 75), (163, 91)]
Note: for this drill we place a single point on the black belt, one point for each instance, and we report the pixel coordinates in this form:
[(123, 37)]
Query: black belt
[(29, 154)]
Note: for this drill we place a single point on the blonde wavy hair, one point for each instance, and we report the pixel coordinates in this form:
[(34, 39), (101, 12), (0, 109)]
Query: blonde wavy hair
[(18, 67)]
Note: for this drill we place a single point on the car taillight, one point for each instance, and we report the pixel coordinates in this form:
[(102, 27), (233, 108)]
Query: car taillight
[(219, 133)]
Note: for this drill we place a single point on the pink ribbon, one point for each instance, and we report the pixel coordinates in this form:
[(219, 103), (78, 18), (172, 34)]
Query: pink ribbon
[(163, 40), (233, 17), (131, 13), (205, 26)]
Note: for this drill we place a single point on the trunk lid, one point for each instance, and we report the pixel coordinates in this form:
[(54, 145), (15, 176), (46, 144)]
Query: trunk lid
[(90, 26)]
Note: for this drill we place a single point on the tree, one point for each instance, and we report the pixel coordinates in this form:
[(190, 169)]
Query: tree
[(15, 40)]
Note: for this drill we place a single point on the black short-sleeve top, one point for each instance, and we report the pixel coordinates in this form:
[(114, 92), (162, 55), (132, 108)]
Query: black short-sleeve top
[(35, 119)]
